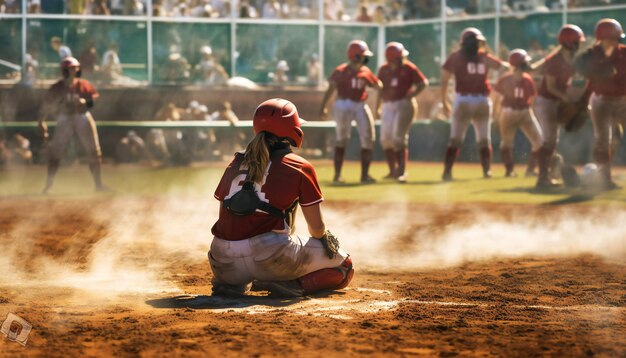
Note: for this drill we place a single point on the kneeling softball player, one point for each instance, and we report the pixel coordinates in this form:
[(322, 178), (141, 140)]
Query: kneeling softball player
[(259, 193)]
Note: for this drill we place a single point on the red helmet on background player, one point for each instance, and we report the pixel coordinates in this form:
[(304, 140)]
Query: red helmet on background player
[(472, 32), (518, 57), (279, 117), (68, 62), (570, 36), (358, 48), (609, 29), (394, 51)]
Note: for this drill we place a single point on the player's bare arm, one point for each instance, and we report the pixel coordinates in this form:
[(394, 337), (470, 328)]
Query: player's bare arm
[(445, 101), (417, 89), (378, 86), (314, 219), (332, 87)]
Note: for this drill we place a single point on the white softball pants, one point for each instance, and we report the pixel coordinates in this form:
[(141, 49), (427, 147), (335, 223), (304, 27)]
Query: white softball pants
[(81, 124), (347, 111), (268, 257), (476, 109), (524, 120), (396, 120)]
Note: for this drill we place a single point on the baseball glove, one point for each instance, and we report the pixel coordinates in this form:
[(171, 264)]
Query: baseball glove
[(330, 243), (573, 115)]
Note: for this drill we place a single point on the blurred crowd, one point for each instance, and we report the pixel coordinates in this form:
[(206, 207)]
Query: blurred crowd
[(377, 11)]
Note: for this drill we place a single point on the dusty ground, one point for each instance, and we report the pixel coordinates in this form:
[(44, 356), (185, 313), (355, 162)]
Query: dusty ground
[(558, 305)]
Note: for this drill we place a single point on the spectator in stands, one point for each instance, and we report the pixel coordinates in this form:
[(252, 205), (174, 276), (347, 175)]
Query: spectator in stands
[(227, 145), (332, 8), (280, 75), (130, 149), (60, 48), (134, 7), (380, 17), (4, 152), (99, 7), (31, 71), (89, 61), (18, 150), (272, 9), (75, 7), (156, 146), (395, 12), (364, 15), (247, 11), (210, 71), (176, 69), (116, 6), (53, 7), (34, 7), (10, 6), (201, 8), (313, 70), (111, 65), (169, 143)]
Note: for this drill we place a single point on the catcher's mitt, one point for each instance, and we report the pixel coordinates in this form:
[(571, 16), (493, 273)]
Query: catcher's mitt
[(330, 243)]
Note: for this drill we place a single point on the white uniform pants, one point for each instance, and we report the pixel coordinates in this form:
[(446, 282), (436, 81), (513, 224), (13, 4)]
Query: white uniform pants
[(475, 109), (81, 124), (605, 112), (347, 111), (524, 120), (547, 112), (396, 120), (268, 257)]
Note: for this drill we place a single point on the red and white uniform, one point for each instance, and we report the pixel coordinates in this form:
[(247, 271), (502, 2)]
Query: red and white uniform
[(350, 104), (608, 99), (72, 117), (546, 106), (398, 110), (472, 95), (517, 95), (247, 248)]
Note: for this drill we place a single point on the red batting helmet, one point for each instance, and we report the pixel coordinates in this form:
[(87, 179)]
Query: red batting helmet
[(472, 32), (570, 35), (609, 29), (358, 48), (518, 57), (394, 51), (69, 62), (279, 117)]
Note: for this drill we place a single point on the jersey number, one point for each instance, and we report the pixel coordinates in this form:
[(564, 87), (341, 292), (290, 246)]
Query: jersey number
[(236, 185), (518, 92), (476, 68), (358, 83)]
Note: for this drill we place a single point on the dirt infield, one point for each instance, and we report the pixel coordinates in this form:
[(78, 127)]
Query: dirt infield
[(127, 276)]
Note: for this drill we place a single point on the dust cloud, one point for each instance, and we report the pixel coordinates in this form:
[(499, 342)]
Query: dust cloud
[(144, 243)]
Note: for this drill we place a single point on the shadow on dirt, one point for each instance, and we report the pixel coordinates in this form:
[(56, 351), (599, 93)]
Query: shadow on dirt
[(220, 302)]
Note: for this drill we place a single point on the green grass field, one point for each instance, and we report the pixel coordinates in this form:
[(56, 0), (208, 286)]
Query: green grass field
[(424, 184)]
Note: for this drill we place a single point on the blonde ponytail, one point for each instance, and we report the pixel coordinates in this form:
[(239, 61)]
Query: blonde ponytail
[(256, 157)]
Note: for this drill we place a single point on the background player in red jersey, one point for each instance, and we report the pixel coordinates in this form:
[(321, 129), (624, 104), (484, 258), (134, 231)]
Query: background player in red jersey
[(350, 80), (402, 82), (470, 67), (69, 100), (512, 110), (557, 76), (604, 65), (255, 244)]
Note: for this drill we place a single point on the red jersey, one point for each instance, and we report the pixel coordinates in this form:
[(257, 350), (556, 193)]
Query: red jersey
[(398, 82), (288, 178), (556, 66), (471, 75), (65, 97), (351, 83), (517, 94), (615, 85)]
